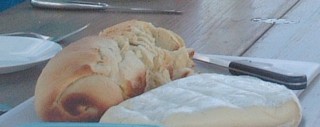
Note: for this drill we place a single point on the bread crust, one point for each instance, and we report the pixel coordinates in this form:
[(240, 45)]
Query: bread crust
[(94, 73)]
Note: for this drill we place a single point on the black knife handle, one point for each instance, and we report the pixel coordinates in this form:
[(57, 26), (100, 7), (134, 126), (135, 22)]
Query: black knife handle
[(291, 81)]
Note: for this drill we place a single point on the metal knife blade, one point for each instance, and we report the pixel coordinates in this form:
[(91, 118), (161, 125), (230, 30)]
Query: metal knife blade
[(264, 71), (85, 5)]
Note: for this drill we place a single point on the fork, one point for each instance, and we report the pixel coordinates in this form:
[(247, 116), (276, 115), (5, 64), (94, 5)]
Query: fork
[(28, 34), (45, 37)]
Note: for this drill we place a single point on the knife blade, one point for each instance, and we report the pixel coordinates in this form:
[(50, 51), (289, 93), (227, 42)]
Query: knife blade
[(264, 71), (86, 5)]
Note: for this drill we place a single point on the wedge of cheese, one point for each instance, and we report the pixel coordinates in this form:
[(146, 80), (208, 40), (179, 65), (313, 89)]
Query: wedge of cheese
[(211, 100)]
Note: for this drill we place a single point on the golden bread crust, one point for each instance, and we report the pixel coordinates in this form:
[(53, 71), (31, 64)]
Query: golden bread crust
[(94, 73)]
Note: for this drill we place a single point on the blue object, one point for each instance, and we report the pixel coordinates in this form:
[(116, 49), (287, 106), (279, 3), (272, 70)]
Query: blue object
[(80, 124), (4, 108), (5, 4)]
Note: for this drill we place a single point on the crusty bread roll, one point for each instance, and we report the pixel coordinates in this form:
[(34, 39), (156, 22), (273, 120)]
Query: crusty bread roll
[(88, 76), (211, 100)]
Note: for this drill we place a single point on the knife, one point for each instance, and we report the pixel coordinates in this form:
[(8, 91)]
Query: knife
[(265, 71), (86, 5)]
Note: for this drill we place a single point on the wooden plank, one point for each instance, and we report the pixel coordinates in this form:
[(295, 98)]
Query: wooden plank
[(297, 41), (228, 28), (209, 26)]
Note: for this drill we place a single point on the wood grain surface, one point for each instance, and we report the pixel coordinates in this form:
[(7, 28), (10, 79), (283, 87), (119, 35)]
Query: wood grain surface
[(224, 26)]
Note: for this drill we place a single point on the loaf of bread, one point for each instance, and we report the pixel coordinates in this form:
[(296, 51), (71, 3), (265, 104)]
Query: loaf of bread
[(89, 76), (211, 100)]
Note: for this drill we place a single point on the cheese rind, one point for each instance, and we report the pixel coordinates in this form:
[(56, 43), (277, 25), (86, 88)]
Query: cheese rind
[(211, 100)]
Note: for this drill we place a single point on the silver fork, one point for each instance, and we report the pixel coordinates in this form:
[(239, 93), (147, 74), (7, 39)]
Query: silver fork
[(45, 37), (28, 34)]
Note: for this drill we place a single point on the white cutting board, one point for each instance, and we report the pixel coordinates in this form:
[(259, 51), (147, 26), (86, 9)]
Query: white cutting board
[(21, 114), (25, 112)]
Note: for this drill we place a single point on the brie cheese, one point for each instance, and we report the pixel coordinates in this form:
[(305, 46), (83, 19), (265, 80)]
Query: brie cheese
[(208, 100)]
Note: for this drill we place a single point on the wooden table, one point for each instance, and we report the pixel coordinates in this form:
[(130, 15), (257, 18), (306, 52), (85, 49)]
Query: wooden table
[(209, 26)]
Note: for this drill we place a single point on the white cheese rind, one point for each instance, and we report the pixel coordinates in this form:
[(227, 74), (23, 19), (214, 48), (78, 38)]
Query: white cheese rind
[(211, 100)]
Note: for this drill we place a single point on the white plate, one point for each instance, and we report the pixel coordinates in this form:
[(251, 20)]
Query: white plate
[(20, 53)]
